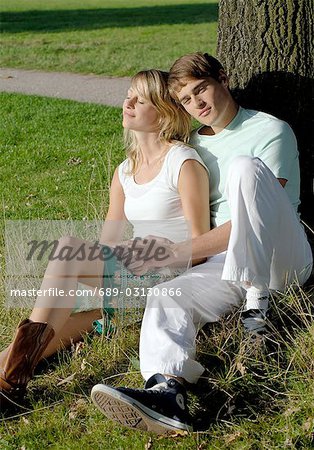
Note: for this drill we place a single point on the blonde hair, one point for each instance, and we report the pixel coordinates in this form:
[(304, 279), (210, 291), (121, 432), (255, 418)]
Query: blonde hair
[(174, 123)]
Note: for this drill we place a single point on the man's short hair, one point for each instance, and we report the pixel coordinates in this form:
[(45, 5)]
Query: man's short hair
[(195, 65)]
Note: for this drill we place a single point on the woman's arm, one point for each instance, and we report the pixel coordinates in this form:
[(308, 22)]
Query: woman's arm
[(113, 227), (193, 187)]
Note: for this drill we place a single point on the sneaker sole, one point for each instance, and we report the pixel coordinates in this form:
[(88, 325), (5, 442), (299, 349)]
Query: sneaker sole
[(128, 412)]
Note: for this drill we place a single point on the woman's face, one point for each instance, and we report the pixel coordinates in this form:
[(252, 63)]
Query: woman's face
[(139, 114)]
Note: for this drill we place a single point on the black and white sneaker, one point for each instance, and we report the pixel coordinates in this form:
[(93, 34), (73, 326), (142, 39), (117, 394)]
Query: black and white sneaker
[(160, 407)]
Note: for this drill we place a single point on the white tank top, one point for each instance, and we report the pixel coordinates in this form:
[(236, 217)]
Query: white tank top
[(155, 208)]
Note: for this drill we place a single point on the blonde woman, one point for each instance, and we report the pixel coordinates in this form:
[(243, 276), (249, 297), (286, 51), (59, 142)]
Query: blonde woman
[(162, 181)]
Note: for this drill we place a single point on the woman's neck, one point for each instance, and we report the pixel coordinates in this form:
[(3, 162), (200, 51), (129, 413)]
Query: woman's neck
[(152, 149)]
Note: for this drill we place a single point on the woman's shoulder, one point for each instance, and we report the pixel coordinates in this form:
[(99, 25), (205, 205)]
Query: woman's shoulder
[(181, 152), (177, 155), (180, 149), (124, 170)]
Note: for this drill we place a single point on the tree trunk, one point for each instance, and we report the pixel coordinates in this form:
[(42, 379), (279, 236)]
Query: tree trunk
[(267, 48)]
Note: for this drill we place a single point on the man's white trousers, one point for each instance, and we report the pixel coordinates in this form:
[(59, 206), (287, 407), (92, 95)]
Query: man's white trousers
[(267, 249)]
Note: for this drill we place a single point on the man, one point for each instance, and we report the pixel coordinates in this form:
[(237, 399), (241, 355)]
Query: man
[(256, 245)]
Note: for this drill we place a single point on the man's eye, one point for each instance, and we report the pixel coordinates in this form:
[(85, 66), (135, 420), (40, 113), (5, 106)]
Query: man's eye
[(186, 101), (202, 89)]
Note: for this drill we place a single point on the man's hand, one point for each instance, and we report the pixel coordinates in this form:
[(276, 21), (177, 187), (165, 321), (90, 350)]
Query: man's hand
[(141, 255)]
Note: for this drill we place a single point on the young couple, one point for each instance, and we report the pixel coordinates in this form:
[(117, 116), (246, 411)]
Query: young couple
[(246, 173)]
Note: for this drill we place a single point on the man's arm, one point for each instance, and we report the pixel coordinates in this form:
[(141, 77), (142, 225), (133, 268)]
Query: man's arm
[(208, 244), (211, 243), (282, 181)]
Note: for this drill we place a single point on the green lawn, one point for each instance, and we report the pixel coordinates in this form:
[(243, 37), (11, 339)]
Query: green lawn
[(115, 38), (57, 157), (56, 160)]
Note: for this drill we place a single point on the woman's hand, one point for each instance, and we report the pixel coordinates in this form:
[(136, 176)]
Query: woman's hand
[(140, 255)]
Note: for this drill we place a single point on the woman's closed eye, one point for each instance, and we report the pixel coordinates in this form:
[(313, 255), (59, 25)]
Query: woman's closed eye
[(133, 99)]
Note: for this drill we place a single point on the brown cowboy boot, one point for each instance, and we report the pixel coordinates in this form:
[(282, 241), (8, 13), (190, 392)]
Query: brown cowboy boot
[(3, 357), (18, 361)]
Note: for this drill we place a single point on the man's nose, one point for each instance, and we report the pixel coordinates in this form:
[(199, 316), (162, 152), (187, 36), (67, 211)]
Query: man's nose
[(199, 102)]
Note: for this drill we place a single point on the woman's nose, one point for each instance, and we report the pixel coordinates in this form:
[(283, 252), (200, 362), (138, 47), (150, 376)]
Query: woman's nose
[(129, 102)]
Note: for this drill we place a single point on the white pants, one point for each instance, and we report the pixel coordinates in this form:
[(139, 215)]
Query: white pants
[(267, 248)]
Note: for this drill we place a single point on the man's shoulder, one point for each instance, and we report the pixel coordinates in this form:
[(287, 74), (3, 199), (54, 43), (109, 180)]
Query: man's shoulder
[(265, 120), (269, 130)]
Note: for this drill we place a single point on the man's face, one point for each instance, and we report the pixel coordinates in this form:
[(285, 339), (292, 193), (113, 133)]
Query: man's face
[(208, 101)]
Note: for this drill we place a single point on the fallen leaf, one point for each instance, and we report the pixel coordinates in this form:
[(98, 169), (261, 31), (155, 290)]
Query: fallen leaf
[(78, 347), (74, 161), (291, 411), (232, 437), (81, 402), (288, 442), (176, 434), (83, 365), (308, 425), (149, 444), (67, 379), (241, 368), (202, 446)]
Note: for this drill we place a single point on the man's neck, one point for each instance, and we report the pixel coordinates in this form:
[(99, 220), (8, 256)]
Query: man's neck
[(218, 128)]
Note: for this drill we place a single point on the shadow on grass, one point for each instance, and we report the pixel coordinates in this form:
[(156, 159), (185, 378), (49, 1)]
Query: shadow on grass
[(92, 19)]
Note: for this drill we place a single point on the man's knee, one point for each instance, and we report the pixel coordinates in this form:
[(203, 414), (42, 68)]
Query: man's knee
[(243, 166), (242, 173)]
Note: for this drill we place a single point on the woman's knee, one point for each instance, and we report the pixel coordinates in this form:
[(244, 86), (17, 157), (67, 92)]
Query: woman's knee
[(70, 248), (67, 252), (69, 242)]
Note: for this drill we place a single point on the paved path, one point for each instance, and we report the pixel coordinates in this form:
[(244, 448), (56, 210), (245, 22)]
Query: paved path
[(82, 88)]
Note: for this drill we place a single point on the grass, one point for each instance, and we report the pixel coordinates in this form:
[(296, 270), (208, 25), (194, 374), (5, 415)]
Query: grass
[(57, 157), (103, 37), (56, 161)]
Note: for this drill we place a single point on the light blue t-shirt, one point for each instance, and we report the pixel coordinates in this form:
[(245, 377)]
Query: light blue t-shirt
[(250, 133)]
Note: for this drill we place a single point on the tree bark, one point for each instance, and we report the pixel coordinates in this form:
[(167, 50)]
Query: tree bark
[(267, 49)]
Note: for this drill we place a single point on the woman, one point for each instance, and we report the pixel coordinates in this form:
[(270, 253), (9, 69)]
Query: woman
[(161, 181)]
